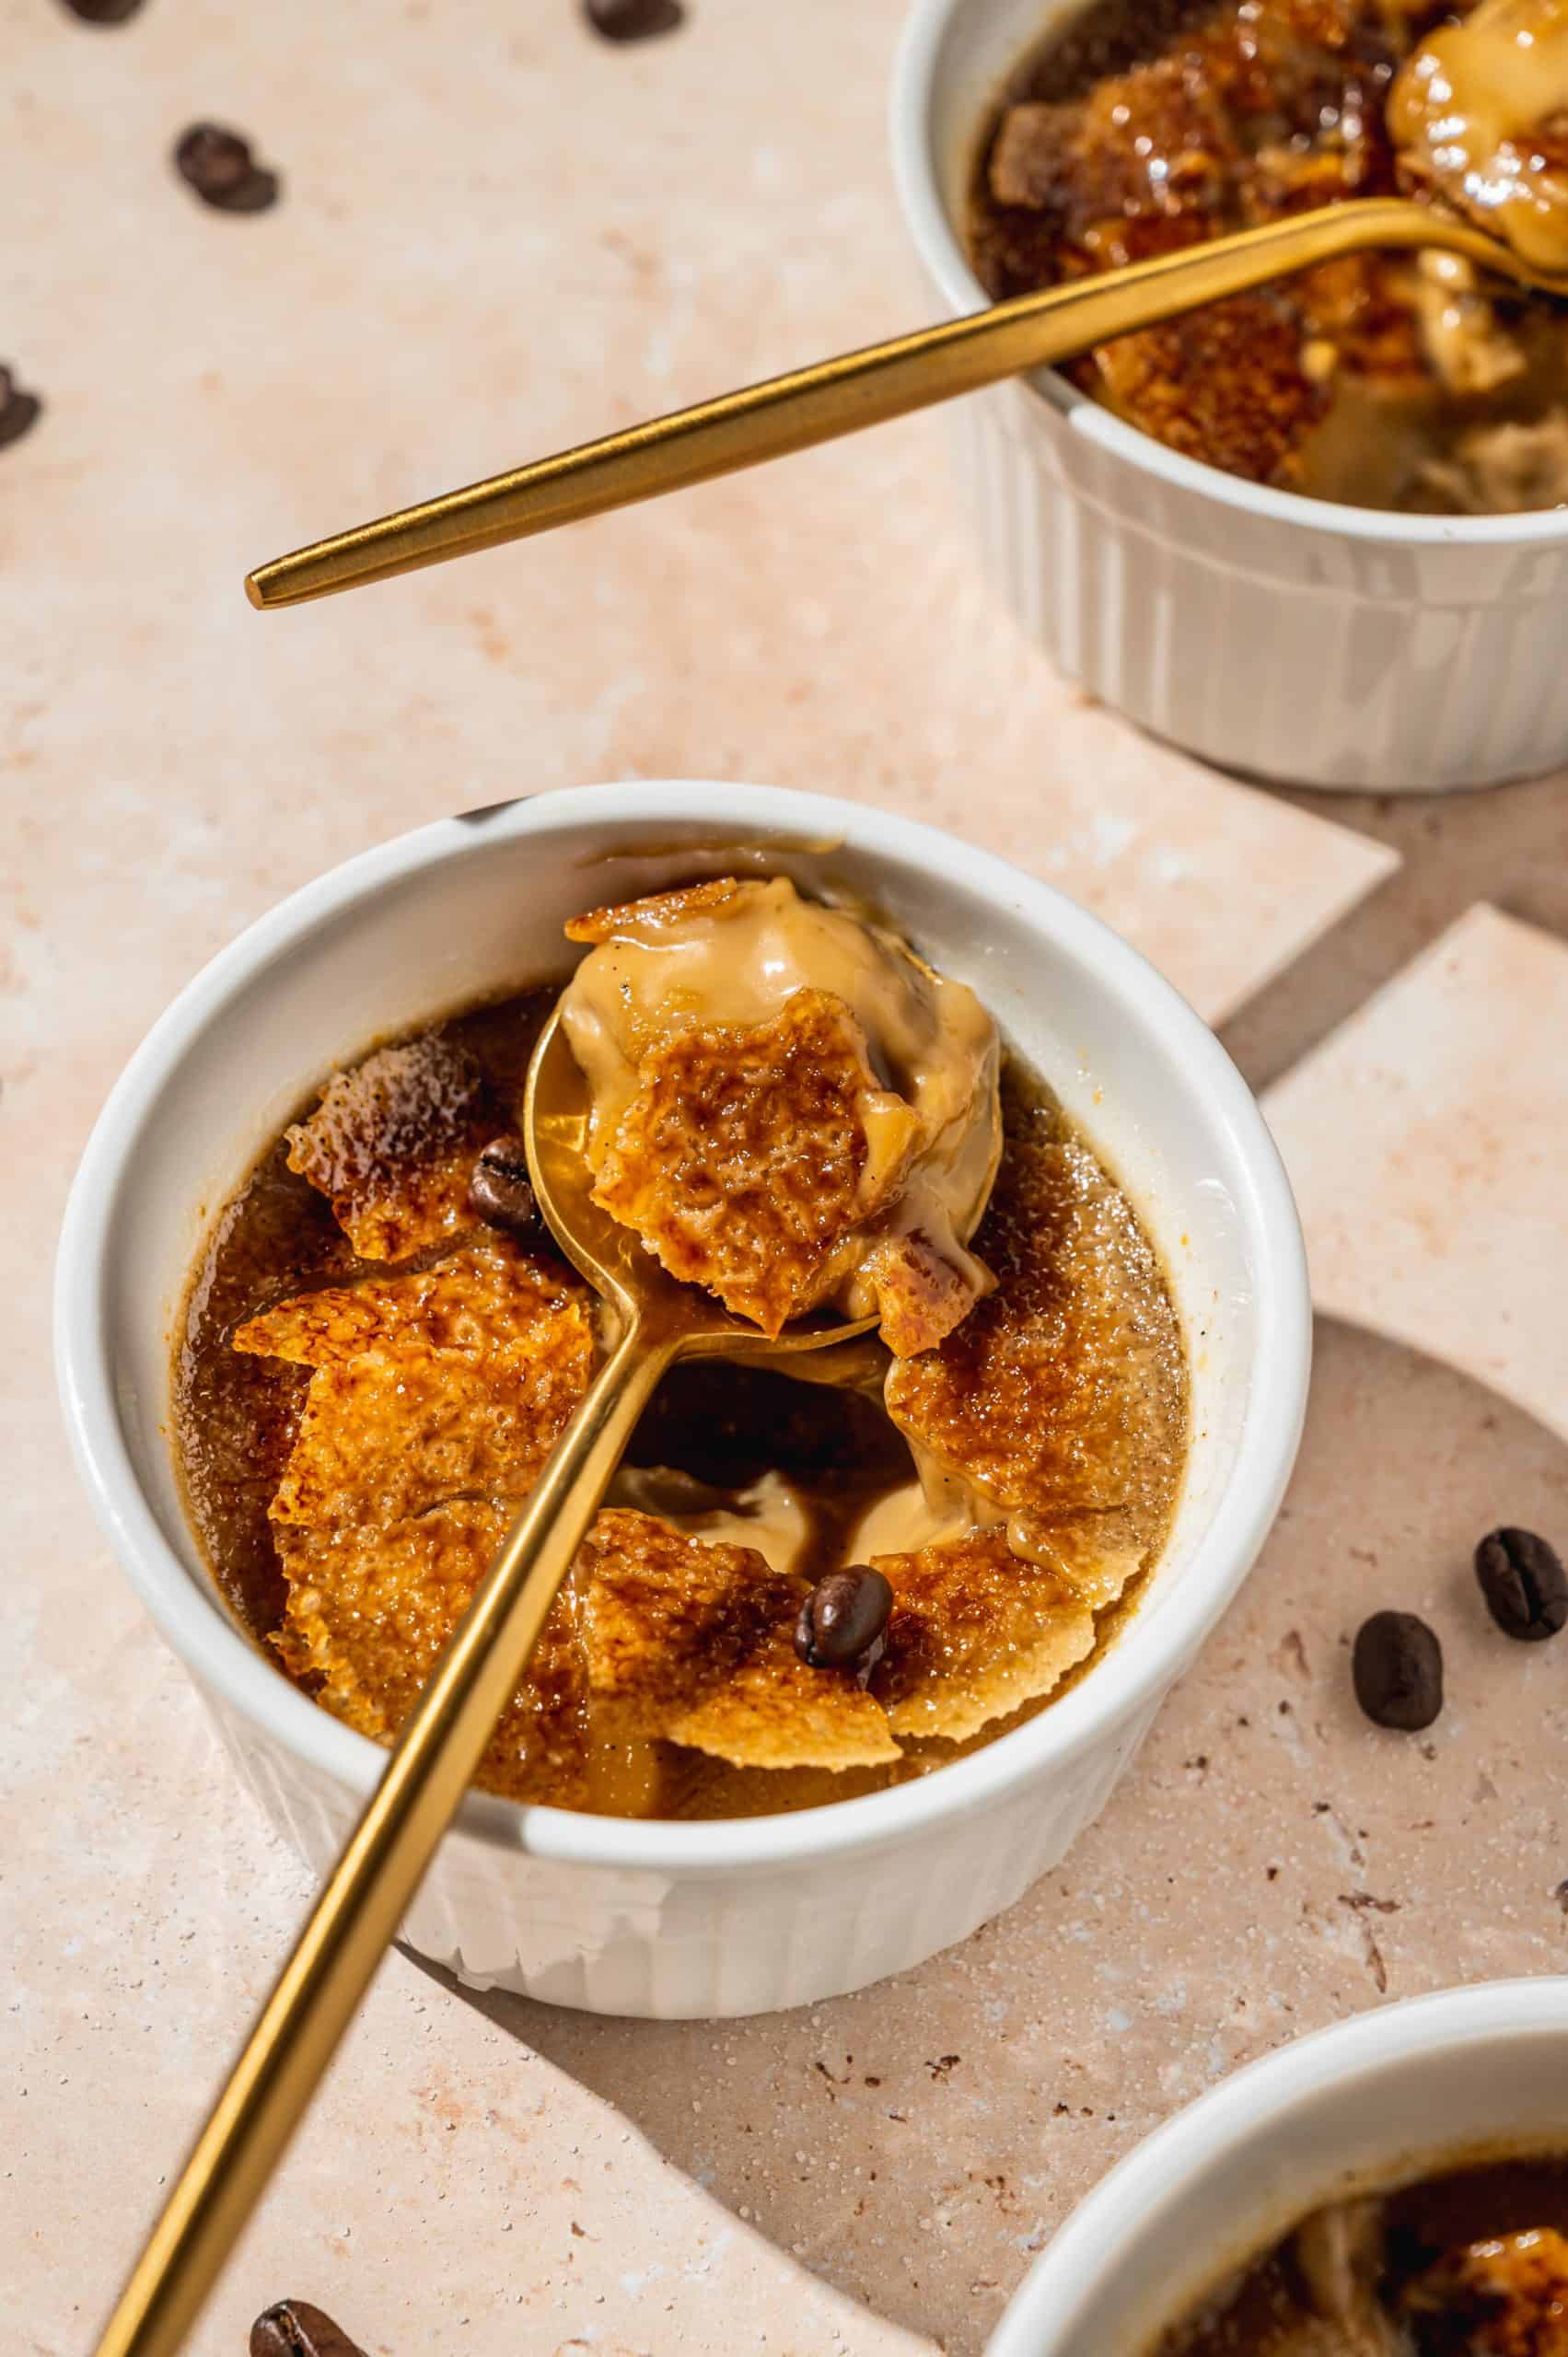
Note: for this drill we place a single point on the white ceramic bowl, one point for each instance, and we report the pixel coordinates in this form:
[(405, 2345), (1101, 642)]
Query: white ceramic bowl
[(685, 1918), (1368, 2104), (1290, 638)]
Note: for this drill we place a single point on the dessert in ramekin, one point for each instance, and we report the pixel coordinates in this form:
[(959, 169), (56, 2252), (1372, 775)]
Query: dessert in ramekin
[(653, 1914), (1285, 636), (1348, 2133)]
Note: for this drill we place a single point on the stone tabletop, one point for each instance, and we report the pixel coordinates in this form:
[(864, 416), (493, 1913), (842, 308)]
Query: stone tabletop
[(498, 234)]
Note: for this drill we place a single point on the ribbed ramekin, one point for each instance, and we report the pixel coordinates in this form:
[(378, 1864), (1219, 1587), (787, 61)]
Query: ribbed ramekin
[(1401, 2092), (1289, 638), (684, 1919)]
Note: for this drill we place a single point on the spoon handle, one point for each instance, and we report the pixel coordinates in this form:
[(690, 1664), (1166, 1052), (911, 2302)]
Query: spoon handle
[(360, 1905), (840, 395)]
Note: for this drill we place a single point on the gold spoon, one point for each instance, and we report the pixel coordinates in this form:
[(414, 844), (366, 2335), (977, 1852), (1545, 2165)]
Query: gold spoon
[(865, 387), (657, 1321)]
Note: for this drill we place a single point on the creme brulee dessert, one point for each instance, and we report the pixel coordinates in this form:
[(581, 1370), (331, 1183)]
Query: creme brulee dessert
[(1386, 380), (1471, 2262), (804, 1583)]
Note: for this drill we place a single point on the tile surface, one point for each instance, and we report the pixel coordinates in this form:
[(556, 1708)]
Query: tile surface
[(1425, 1141), (499, 236)]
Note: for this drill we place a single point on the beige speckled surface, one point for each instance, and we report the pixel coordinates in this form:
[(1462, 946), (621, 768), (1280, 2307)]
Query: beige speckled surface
[(497, 235)]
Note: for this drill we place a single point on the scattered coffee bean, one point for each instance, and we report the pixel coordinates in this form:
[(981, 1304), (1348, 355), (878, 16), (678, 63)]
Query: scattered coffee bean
[(219, 166), (295, 2328), (499, 1190), (633, 20), (1524, 1583), (103, 12), (19, 410), (1397, 1668), (843, 1621)]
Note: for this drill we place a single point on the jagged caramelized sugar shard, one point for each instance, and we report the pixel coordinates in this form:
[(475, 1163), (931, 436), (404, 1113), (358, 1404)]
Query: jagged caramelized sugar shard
[(392, 1143), (694, 1642), (434, 1398), (920, 1295), (1099, 1555), (370, 1609), (1058, 1398), (1504, 2297), (749, 1157), (597, 925), (973, 1635), (455, 1378)]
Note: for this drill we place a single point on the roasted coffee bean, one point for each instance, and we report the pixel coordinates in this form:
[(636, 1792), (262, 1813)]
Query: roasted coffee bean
[(1398, 1669), (499, 1190), (843, 1621), (633, 20), (103, 12), (219, 166), (295, 2328), (1524, 1583), (19, 410)]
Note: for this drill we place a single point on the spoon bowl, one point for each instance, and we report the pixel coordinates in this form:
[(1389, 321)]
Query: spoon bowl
[(677, 1318)]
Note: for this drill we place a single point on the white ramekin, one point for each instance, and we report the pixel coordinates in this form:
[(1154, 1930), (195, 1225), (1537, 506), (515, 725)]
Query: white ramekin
[(1289, 638), (684, 1919), (1371, 2103)]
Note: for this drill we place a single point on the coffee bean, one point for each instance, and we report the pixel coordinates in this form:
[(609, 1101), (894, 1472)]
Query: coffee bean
[(295, 2328), (103, 12), (219, 166), (843, 1621), (1524, 1583), (19, 410), (633, 20), (499, 1190), (1398, 1669)]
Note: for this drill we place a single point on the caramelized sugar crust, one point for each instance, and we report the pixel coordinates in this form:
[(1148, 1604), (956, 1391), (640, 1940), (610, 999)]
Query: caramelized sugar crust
[(744, 1160), (694, 1640), (405, 1411), (973, 1635), (1155, 124), (596, 926), (1507, 2297), (392, 1143), (1059, 1399)]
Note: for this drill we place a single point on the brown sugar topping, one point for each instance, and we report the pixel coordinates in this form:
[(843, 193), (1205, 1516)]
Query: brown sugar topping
[(974, 1635), (392, 1143), (746, 1158)]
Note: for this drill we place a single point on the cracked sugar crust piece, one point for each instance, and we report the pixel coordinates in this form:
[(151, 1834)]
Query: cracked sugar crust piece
[(920, 1297), (392, 1143), (1061, 1400), (694, 1641), (370, 1609), (457, 1378), (599, 925), (749, 1158), (1504, 2297), (974, 1635)]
